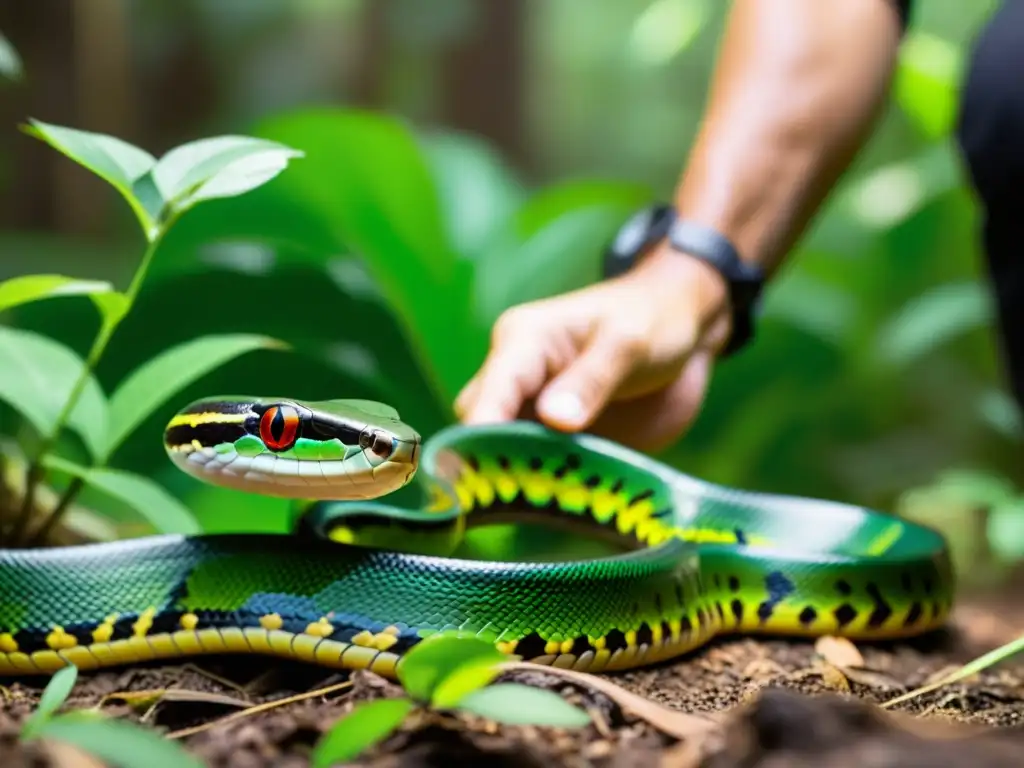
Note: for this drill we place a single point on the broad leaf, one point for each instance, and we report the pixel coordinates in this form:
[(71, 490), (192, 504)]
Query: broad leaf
[(37, 375), (423, 669), (478, 192), (116, 161), (515, 704), (367, 176), (224, 166), (10, 61), (366, 725), (554, 244), (54, 695), (151, 501), (154, 383), (118, 743), (26, 288)]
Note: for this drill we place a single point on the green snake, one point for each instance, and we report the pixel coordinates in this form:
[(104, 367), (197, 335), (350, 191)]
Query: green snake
[(359, 582)]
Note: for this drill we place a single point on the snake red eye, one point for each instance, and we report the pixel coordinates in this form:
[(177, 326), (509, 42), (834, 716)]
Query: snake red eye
[(279, 427)]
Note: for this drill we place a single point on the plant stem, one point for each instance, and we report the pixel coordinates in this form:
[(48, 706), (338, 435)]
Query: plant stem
[(73, 489), (36, 471)]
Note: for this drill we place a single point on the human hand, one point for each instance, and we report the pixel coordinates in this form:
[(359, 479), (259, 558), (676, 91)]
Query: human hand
[(628, 358)]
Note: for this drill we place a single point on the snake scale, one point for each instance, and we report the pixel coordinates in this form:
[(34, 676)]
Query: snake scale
[(358, 581)]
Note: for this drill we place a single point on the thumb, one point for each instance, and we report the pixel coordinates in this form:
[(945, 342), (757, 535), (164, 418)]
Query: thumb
[(576, 397)]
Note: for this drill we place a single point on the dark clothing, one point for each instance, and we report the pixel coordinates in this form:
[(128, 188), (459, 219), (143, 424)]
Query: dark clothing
[(990, 133)]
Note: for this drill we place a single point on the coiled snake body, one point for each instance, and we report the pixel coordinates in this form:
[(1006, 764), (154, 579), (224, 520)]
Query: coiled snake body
[(359, 582)]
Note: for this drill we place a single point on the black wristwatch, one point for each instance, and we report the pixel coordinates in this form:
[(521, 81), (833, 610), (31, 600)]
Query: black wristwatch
[(650, 226)]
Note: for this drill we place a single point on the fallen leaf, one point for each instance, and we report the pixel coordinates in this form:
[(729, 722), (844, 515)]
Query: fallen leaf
[(871, 678), (838, 651), (763, 669), (146, 699), (833, 677)]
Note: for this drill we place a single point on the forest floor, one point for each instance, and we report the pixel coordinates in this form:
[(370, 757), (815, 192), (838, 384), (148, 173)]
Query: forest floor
[(736, 703)]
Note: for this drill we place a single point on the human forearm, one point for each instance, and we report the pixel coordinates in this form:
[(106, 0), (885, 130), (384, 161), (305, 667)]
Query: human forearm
[(797, 89)]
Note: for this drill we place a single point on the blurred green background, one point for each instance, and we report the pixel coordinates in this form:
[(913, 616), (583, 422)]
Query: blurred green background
[(463, 156)]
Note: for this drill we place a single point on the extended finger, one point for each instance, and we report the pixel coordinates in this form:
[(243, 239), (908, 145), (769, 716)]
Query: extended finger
[(578, 394)]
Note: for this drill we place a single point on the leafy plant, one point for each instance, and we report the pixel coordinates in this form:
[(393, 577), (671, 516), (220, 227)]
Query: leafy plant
[(52, 388), (446, 672), (117, 743)]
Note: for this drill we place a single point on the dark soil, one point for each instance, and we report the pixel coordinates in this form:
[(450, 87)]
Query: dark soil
[(763, 705)]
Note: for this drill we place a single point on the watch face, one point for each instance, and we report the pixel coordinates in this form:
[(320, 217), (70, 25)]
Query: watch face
[(641, 231)]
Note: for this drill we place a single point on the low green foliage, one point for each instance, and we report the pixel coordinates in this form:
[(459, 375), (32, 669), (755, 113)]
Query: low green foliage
[(367, 725), (53, 388), (446, 672), (117, 743), (54, 695)]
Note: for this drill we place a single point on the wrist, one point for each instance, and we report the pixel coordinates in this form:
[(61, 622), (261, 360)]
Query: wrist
[(687, 278), (698, 266)]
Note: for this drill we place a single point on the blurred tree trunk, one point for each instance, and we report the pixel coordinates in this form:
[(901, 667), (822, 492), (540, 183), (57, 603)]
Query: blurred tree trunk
[(100, 74), (42, 33), (77, 73), (483, 79), (480, 78)]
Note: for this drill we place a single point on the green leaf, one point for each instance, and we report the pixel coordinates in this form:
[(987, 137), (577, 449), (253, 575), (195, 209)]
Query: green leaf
[(555, 244), (118, 743), (26, 288), (432, 660), (54, 695), (10, 61), (36, 378), (116, 161), (927, 81), (224, 166), (467, 678), (151, 501), (1005, 530), (368, 178), (515, 704), (160, 378), (478, 192), (364, 726), (933, 319)]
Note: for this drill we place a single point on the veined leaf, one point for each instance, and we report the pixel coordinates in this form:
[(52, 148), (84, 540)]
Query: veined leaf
[(224, 166), (151, 501), (366, 725), (36, 378), (160, 378), (114, 160)]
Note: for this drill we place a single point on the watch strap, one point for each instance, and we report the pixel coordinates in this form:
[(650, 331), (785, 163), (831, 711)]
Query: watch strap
[(745, 281)]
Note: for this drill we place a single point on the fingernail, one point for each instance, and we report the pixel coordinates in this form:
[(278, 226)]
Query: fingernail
[(564, 407)]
